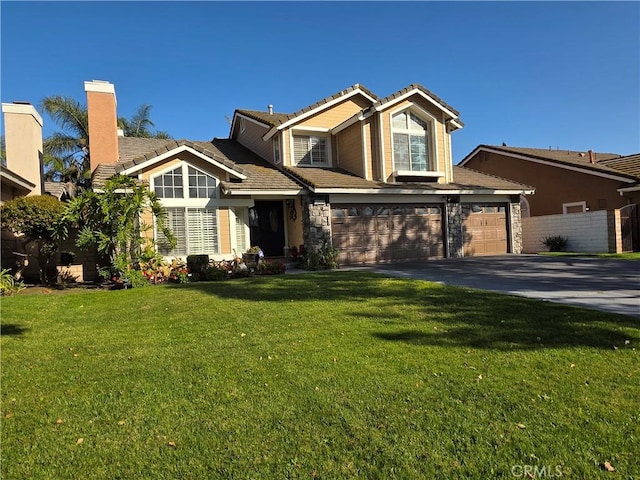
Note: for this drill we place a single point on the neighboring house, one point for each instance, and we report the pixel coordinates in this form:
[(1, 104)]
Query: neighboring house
[(374, 176), (565, 181)]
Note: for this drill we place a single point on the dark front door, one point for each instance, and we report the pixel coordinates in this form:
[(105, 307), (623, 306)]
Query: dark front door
[(267, 227)]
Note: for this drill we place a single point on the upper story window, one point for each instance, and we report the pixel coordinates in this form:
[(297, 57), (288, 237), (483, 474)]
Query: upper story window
[(411, 143), (172, 184), (276, 150), (310, 150)]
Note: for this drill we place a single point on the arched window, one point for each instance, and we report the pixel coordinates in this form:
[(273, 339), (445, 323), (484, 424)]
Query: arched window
[(525, 211), (411, 142)]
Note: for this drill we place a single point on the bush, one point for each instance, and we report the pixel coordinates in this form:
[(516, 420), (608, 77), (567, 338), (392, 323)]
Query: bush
[(197, 263), (555, 243), (8, 284), (324, 258)]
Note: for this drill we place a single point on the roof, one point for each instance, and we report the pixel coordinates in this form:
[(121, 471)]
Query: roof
[(9, 177), (570, 158), (56, 189), (466, 179), (276, 119), (417, 86), (260, 175), (629, 164)]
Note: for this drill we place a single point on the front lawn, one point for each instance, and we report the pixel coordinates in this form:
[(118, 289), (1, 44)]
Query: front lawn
[(325, 375)]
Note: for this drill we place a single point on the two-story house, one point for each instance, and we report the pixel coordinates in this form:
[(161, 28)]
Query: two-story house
[(373, 176)]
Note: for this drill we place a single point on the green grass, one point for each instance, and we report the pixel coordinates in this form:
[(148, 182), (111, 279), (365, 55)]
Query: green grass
[(325, 375), (615, 256)]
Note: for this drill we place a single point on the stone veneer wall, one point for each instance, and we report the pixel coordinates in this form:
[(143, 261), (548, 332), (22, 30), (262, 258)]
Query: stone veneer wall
[(515, 217), (316, 221), (454, 228)]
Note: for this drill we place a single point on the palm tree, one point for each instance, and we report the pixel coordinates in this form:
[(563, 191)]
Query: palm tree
[(66, 153), (140, 125)]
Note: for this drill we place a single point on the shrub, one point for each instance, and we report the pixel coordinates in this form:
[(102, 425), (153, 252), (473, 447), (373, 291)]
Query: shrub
[(555, 243), (8, 284), (324, 258), (197, 263)]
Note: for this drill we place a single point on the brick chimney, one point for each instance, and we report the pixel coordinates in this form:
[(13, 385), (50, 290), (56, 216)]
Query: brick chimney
[(23, 142), (103, 122)]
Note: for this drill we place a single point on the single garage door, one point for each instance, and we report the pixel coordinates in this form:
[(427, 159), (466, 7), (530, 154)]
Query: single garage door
[(484, 227), (386, 232)]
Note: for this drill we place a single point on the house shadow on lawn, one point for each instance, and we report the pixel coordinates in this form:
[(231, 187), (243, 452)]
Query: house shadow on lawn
[(440, 315)]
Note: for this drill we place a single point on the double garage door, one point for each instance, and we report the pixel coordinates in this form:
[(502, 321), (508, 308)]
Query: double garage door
[(370, 233)]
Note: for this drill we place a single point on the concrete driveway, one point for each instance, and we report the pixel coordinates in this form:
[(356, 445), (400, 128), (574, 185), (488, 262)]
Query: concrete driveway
[(609, 285)]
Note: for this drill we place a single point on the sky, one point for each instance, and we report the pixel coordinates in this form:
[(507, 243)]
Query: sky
[(531, 74)]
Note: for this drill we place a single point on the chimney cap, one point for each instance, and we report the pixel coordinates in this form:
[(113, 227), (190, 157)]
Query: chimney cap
[(101, 86), (270, 108), (22, 108)]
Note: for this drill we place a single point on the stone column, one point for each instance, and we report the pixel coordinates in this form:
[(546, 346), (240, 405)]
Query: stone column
[(515, 217), (316, 221), (455, 236)]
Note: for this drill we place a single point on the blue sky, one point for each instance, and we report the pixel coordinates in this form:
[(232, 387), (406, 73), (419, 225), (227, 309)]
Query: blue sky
[(535, 74)]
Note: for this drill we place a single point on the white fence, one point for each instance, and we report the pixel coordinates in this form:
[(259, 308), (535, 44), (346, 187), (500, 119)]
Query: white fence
[(587, 232)]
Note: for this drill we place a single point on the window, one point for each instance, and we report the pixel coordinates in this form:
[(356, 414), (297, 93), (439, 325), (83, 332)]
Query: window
[(310, 150), (241, 236), (574, 207), (410, 142), (201, 185), (171, 184), (195, 229), (276, 150)]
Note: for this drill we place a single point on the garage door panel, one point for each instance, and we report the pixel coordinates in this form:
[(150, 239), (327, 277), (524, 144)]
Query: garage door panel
[(387, 232), (484, 229)]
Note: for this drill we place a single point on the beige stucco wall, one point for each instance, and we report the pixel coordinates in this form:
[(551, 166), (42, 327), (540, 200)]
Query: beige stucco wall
[(23, 143), (294, 227)]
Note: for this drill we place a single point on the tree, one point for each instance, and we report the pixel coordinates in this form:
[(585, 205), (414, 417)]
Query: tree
[(67, 154), (36, 218), (139, 125), (112, 220)]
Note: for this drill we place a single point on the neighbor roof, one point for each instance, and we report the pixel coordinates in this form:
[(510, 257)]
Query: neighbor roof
[(629, 164), (561, 157)]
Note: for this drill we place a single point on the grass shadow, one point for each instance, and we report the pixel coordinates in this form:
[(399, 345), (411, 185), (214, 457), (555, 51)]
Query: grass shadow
[(465, 317), (11, 329)]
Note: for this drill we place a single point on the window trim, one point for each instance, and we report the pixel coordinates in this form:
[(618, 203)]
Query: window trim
[(432, 140), (566, 206), (185, 210), (311, 132), (184, 166)]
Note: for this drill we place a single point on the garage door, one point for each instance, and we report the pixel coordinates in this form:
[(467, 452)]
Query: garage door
[(484, 227), (386, 232)]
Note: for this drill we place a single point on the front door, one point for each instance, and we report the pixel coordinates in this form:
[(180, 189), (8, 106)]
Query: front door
[(266, 222)]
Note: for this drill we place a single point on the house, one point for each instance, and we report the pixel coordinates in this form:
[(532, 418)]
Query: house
[(373, 176), (565, 181)]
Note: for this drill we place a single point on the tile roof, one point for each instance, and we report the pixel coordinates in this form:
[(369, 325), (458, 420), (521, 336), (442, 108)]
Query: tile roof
[(260, 174), (464, 179), (417, 86), (565, 157), (205, 148), (279, 118), (316, 177), (56, 189), (629, 165)]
